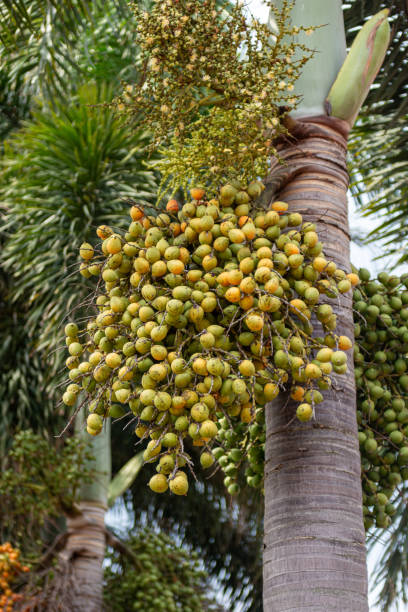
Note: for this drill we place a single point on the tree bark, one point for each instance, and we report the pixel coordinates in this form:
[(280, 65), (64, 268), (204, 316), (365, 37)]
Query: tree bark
[(85, 552), (314, 542)]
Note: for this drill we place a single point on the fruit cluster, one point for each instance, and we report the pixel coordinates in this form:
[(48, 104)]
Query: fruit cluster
[(380, 356), (203, 316), (381, 364), (162, 576), (10, 568), (215, 85)]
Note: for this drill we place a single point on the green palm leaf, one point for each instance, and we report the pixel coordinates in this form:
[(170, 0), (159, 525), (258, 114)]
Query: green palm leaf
[(66, 172)]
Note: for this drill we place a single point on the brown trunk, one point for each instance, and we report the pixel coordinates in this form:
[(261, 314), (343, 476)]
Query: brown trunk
[(315, 555), (84, 552)]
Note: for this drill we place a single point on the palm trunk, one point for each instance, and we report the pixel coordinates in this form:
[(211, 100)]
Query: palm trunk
[(315, 556), (86, 543), (314, 542)]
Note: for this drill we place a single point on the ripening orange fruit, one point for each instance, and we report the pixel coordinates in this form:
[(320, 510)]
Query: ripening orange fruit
[(175, 266), (291, 248), (136, 212), (175, 228), (104, 231), (297, 393), (243, 220), (246, 302), (233, 294), (172, 205), (345, 343), (234, 277), (353, 278), (197, 193), (223, 279), (280, 207)]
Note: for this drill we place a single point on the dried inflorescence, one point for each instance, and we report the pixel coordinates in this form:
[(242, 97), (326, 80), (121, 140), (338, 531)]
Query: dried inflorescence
[(214, 83)]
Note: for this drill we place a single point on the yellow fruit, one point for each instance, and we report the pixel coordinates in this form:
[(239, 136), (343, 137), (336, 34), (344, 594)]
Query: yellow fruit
[(179, 484), (254, 322), (208, 429), (113, 360), (113, 245), (280, 206), (319, 264), (304, 412), (86, 251), (158, 483)]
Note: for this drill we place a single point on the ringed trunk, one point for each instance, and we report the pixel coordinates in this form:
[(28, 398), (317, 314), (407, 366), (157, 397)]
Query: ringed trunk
[(314, 546), (85, 548), (85, 551)]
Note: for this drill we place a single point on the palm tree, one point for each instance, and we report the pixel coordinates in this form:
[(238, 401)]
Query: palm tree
[(314, 555)]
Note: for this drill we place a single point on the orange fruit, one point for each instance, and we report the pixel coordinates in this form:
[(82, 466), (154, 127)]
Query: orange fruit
[(297, 394), (136, 212), (175, 266), (197, 193), (353, 278), (280, 207), (234, 277), (172, 206), (247, 302), (233, 294)]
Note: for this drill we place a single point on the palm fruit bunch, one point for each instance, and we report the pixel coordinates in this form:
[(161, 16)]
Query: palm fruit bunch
[(202, 316), (165, 577), (380, 356), (10, 569)]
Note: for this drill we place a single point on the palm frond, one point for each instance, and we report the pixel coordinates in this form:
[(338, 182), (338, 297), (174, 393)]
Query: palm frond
[(68, 170)]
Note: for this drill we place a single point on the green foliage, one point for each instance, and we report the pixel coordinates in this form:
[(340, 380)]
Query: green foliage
[(47, 44), (378, 143), (39, 483), (198, 55), (23, 400), (157, 574), (64, 172)]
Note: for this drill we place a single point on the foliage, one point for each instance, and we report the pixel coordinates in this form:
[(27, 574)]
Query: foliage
[(38, 483), (378, 142), (197, 55), (44, 44), (62, 173), (157, 574), (24, 401), (379, 150)]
